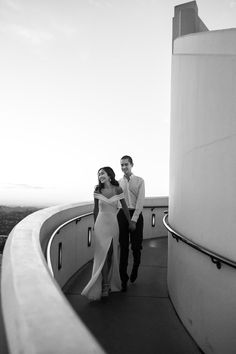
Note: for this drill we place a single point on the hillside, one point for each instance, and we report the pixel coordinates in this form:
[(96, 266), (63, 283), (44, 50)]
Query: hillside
[(9, 217)]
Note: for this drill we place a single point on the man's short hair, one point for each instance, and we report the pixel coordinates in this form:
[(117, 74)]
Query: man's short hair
[(127, 157)]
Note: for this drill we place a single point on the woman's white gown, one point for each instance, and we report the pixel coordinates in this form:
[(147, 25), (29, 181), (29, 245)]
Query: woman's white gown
[(106, 231)]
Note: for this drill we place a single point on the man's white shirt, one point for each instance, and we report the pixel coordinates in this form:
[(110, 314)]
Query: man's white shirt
[(134, 191)]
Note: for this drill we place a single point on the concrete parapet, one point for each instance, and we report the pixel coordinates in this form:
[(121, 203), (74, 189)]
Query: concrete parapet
[(37, 316)]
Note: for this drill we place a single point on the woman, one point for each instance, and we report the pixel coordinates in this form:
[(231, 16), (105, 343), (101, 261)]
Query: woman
[(105, 273)]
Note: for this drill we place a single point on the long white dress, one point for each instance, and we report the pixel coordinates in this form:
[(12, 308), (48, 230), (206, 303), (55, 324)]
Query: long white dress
[(106, 231)]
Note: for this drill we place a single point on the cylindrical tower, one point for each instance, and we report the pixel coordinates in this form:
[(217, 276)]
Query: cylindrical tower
[(202, 200)]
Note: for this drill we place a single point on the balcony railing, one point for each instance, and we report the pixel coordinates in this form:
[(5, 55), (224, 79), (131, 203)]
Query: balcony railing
[(215, 258), (36, 314)]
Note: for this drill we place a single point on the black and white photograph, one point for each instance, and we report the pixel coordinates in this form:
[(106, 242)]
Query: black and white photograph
[(117, 190)]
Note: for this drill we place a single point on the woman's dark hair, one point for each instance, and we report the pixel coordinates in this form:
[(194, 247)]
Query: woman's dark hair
[(112, 176)]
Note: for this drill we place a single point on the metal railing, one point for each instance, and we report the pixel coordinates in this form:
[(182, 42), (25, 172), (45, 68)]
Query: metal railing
[(56, 232), (77, 219), (215, 258)]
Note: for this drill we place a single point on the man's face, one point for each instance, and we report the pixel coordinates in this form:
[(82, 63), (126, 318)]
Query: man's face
[(126, 166)]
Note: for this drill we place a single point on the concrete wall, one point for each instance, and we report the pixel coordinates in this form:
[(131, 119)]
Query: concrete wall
[(73, 239), (37, 316), (202, 200), (69, 249), (153, 213)]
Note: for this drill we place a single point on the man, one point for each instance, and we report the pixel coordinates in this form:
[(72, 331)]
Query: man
[(134, 191)]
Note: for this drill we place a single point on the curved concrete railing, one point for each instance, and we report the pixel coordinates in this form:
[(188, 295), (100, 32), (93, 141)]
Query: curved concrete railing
[(37, 316)]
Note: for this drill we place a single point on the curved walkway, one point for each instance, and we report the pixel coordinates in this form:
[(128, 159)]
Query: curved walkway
[(142, 320)]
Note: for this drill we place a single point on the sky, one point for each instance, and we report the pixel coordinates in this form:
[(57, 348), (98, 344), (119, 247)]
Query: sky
[(84, 82)]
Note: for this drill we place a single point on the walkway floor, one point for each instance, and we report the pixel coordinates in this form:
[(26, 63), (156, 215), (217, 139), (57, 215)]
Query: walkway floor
[(142, 320)]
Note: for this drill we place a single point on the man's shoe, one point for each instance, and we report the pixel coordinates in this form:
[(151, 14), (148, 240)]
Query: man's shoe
[(124, 287), (133, 275)]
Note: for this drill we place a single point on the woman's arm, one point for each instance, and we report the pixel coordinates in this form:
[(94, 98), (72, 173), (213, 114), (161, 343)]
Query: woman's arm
[(95, 209)]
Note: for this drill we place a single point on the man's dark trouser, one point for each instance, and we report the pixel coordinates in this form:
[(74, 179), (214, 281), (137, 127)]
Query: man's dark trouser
[(126, 237)]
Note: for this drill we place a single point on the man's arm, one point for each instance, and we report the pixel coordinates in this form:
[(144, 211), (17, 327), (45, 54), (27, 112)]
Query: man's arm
[(139, 202)]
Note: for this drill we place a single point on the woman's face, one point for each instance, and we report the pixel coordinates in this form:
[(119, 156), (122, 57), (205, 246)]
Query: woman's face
[(103, 176)]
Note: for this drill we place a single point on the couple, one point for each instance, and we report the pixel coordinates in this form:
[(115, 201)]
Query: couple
[(118, 220)]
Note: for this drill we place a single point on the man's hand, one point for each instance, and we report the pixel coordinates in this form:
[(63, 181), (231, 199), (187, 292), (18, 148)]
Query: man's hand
[(132, 225)]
